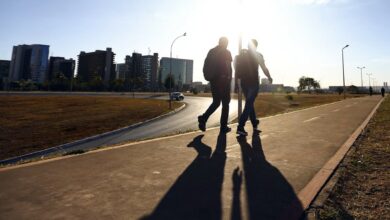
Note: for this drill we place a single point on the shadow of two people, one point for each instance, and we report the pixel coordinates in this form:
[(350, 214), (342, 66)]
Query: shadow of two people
[(269, 195), (196, 194)]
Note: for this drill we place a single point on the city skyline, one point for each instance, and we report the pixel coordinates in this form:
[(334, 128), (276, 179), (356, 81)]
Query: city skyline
[(297, 38)]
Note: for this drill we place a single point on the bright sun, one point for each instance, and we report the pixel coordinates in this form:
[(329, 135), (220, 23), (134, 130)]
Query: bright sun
[(232, 18)]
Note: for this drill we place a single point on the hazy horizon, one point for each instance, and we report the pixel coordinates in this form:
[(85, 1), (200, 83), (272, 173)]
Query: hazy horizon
[(297, 37)]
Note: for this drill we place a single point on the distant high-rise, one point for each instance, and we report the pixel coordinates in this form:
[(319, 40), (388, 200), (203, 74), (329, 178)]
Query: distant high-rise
[(150, 69), (98, 64), (142, 70), (29, 62), (4, 68), (120, 69), (60, 67), (182, 71), (50, 72), (4, 72)]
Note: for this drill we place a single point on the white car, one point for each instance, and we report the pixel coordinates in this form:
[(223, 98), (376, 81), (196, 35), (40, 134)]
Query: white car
[(178, 96)]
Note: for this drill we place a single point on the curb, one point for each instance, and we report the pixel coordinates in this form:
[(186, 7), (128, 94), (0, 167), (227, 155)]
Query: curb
[(62, 148), (316, 184)]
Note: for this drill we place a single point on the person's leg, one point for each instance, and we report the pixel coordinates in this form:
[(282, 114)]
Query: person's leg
[(216, 102), (250, 95), (202, 119), (225, 98), (252, 114)]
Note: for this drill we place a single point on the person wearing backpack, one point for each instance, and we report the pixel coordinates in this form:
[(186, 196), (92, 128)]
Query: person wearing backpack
[(247, 69), (217, 70)]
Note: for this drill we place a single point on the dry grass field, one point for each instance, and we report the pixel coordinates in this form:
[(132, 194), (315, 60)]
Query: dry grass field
[(363, 189), (31, 123), (270, 104)]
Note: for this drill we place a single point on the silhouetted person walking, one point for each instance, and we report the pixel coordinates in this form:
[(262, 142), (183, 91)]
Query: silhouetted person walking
[(370, 90), (247, 69), (218, 70), (383, 92)]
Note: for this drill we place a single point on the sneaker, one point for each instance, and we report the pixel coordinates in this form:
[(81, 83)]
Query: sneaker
[(255, 125), (241, 131), (202, 123), (256, 131), (225, 129)]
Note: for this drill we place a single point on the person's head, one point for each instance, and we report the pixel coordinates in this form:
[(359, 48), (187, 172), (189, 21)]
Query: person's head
[(252, 45), (223, 42)]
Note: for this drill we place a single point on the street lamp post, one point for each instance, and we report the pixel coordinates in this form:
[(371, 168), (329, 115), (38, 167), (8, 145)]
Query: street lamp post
[(361, 74), (342, 55), (239, 110), (170, 69), (369, 78)]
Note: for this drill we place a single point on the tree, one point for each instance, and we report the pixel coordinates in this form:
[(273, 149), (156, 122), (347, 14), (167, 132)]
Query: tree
[(169, 82), (353, 89), (96, 84), (308, 83), (339, 90), (117, 85)]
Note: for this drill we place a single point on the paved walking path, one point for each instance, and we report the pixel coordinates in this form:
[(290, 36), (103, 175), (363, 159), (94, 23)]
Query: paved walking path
[(191, 176)]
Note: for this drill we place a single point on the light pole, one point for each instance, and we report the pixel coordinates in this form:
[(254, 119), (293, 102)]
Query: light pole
[(361, 74), (239, 110), (369, 78), (170, 69), (342, 55)]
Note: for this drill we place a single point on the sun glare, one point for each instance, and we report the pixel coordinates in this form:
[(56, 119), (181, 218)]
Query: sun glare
[(232, 18)]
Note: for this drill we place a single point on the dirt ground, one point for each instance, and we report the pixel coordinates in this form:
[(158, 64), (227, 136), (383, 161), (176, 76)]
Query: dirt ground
[(31, 123), (363, 189)]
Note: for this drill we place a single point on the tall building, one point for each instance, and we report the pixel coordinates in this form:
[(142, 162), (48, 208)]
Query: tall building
[(142, 70), (29, 62), (150, 69), (134, 64), (64, 68), (182, 71), (4, 72), (120, 70), (50, 73), (98, 64), (4, 68)]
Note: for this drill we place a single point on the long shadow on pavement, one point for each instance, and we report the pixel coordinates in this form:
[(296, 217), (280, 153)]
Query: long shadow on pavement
[(196, 194), (269, 195)]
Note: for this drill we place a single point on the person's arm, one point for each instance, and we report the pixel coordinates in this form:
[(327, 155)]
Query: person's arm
[(229, 65), (266, 71)]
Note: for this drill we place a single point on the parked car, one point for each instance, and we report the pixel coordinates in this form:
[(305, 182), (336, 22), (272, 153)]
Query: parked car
[(178, 96)]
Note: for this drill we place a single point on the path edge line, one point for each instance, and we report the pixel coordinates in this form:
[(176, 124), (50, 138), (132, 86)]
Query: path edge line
[(311, 190)]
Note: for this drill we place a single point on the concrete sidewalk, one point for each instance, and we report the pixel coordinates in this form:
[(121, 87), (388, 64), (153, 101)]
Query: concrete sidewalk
[(189, 176)]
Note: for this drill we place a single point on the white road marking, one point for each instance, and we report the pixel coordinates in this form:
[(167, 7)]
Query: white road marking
[(312, 119), (336, 110)]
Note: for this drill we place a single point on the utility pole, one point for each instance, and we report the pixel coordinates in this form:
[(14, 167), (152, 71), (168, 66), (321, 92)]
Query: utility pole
[(170, 70), (361, 74), (342, 54)]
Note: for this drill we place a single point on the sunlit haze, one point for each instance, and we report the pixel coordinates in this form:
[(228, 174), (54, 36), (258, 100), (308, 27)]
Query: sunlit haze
[(297, 37)]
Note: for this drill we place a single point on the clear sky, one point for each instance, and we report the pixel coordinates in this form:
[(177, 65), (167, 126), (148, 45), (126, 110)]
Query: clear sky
[(297, 37)]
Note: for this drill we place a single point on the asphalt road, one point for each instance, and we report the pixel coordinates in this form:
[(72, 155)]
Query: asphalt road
[(191, 176), (184, 120)]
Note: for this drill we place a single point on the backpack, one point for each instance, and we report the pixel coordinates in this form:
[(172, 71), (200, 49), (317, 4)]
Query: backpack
[(246, 67), (210, 65)]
